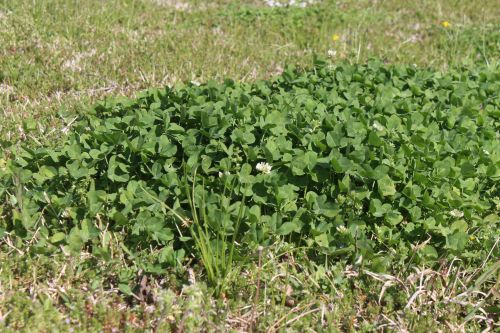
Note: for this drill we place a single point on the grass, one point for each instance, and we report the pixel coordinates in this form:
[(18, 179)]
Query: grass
[(59, 56), (59, 293)]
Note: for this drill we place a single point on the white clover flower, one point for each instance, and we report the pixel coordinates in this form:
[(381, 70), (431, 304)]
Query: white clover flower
[(457, 213), (331, 53), (377, 126), (225, 173), (263, 167), (342, 229)]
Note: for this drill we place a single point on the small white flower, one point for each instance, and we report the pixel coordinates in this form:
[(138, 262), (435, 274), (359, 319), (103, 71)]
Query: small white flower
[(263, 167), (342, 229), (196, 83), (225, 173), (378, 127), (486, 152), (332, 53), (457, 213)]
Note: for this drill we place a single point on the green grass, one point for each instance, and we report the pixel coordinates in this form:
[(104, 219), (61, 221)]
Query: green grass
[(58, 57), (42, 294)]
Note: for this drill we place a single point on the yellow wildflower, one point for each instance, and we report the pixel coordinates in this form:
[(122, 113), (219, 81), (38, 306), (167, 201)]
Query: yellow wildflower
[(445, 24), (335, 37)]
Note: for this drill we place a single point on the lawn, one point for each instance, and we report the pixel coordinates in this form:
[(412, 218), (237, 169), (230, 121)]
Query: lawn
[(248, 166)]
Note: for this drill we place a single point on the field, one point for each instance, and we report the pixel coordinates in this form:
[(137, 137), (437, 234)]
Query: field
[(249, 166)]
